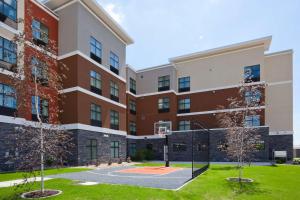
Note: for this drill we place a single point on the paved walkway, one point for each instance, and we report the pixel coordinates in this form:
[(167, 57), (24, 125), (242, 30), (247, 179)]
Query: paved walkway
[(20, 181)]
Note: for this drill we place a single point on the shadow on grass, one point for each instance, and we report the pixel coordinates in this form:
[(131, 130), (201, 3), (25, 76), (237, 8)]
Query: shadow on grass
[(246, 188)]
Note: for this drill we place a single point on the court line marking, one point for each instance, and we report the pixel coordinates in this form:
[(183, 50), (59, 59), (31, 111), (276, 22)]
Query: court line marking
[(152, 176)]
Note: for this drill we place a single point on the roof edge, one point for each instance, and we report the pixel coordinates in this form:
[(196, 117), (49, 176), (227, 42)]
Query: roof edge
[(265, 41)]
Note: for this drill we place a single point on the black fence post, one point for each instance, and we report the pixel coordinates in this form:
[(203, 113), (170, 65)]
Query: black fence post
[(167, 152)]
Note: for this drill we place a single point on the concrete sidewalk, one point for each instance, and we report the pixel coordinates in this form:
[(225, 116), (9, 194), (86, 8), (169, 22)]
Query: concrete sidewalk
[(20, 181)]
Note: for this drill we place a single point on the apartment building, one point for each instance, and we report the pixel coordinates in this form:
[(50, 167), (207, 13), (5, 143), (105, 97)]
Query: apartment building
[(111, 108)]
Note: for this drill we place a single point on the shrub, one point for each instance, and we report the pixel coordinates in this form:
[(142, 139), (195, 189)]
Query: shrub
[(143, 154), (120, 161), (280, 160), (296, 161)]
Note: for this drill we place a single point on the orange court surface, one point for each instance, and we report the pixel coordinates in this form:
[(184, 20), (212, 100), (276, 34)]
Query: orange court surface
[(151, 170)]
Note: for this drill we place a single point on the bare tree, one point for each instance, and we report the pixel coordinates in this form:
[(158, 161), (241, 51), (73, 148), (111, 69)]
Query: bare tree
[(241, 137), (37, 82)]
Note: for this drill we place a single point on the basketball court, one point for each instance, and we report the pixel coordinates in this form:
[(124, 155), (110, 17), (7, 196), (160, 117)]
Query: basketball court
[(170, 178)]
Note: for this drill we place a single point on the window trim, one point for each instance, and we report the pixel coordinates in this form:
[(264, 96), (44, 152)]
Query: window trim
[(11, 51), (93, 82), (165, 83), (114, 62), (96, 110), (132, 128), (15, 9), (162, 102), (41, 40), (180, 82), (184, 125), (132, 104), (93, 43), (114, 120), (114, 91), (186, 109), (132, 85), (8, 110), (115, 149)]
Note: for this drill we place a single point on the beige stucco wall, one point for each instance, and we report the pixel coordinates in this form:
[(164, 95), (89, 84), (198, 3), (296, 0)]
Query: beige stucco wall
[(220, 70), (147, 80), (279, 92)]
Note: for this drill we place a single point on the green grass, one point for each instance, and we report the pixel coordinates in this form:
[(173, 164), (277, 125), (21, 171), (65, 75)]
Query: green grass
[(157, 164), (20, 175), (271, 183)]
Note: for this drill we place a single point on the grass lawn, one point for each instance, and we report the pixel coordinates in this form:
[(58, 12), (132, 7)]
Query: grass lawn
[(20, 175), (281, 182)]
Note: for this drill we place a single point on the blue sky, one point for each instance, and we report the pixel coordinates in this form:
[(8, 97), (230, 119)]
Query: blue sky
[(167, 28)]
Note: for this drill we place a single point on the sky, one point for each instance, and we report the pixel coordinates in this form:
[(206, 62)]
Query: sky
[(163, 29)]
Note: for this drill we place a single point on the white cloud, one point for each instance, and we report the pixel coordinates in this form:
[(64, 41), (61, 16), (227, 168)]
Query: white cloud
[(115, 12)]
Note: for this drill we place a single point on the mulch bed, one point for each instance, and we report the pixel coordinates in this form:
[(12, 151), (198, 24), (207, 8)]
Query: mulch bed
[(38, 194)]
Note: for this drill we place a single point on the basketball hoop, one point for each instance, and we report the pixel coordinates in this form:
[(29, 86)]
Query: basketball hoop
[(162, 128)]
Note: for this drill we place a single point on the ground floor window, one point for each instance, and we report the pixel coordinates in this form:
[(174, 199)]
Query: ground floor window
[(92, 149), (132, 149), (115, 149)]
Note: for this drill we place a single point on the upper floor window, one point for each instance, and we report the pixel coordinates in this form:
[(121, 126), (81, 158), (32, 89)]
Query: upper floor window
[(42, 108), (114, 120), (132, 85), (96, 115), (184, 105), (95, 50), (96, 83), (253, 98), (132, 107), (8, 51), (92, 149), (163, 105), (8, 102), (252, 74), (184, 84), (39, 70), (184, 125), (164, 83), (8, 8), (114, 91), (40, 32), (115, 149), (132, 128), (114, 63), (252, 120)]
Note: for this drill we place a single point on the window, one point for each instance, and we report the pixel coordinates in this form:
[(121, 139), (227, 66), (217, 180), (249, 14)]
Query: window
[(132, 149), (40, 32), (95, 79), (202, 147), (179, 147), (96, 115), (252, 120), (184, 105), (132, 107), (8, 8), (252, 74), (8, 51), (8, 102), (92, 149), (132, 128), (132, 86), (252, 97), (39, 70), (163, 105), (43, 108), (163, 83), (184, 125), (184, 84), (115, 149), (95, 50), (114, 120), (114, 63), (114, 91)]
